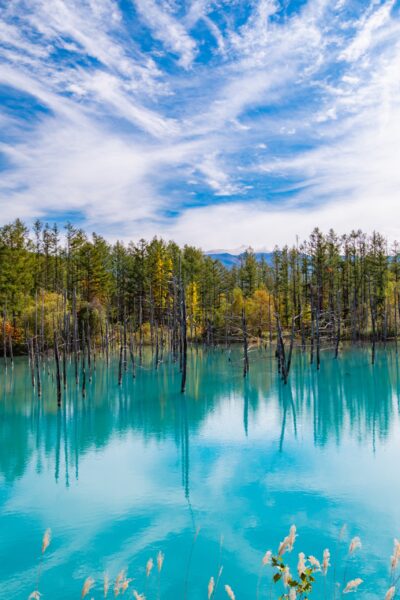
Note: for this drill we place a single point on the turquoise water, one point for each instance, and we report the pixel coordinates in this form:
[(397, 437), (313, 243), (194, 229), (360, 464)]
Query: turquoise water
[(126, 472)]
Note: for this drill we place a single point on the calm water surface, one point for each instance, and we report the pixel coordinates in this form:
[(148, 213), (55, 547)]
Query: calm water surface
[(129, 471)]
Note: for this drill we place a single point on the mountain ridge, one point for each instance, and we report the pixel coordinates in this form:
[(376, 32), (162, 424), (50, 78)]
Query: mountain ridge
[(230, 260)]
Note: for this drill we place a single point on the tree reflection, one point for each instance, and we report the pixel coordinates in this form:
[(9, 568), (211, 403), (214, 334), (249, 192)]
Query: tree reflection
[(347, 397)]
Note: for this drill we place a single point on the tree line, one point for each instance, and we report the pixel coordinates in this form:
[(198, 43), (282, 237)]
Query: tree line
[(60, 289)]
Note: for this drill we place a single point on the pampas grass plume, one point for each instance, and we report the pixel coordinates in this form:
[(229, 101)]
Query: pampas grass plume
[(211, 585), (160, 561), (286, 576), (314, 562), (267, 558), (283, 546), (118, 581), (87, 586), (149, 566), (301, 565), (352, 585), (106, 585), (354, 544), (292, 537), (46, 540), (396, 554), (125, 584), (326, 561), (390, 593)]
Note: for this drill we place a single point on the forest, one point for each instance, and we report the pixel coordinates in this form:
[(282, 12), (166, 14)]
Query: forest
[(60, 289)]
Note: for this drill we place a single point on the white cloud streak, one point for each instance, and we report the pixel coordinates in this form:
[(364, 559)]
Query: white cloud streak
[(168, 29)]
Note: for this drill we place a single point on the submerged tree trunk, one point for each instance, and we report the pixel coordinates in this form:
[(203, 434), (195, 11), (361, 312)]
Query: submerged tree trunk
[(281, 350), (58, 374), (245, 344), (338, 327), (318, 339), (372, 304), (183, 330), (4, 338)]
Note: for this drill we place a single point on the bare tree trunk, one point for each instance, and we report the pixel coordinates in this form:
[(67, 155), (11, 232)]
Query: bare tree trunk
[(289, 359), (132, 353), (183, 330), (121, 350), (37, 363), (4, 338), (156, 358), (11, 350), (75, 334), (107, 342), (83, 362), (395, 320), (58, 375), (140, 332), (281, 350), (318, 338), (32, 361), (338, 326), (372, 305), (245, 344)]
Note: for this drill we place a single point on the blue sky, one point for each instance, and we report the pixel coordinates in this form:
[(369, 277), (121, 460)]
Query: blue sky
[(215, 122)]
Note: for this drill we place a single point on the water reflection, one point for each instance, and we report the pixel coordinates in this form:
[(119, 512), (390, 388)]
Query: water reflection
[(131, 469), (348, 395)]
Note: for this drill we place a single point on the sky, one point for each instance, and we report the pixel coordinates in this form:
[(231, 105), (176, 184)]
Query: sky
[(219, 123)]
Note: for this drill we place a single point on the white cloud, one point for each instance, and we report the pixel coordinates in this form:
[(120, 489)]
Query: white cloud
[(217, 177), (317, 92), (168, 29), (366, 29)]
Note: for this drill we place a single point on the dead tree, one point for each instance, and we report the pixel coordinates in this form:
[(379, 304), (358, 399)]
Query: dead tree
[(284, 363), (338, 325), (183, 329), (245, 344), (4, 338), (373, 310), (58, 374)]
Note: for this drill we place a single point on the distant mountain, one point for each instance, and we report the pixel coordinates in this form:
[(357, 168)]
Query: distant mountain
[(231, 260)]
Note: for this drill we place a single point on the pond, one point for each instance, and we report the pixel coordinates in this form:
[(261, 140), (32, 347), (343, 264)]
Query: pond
[(213, 477)]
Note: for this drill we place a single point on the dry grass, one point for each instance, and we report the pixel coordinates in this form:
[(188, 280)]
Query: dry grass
[(46, 540), (87, 586), (297, 588)]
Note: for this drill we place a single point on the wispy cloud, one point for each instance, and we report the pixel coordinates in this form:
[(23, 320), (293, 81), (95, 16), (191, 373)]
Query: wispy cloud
[(213, 122), (158, 16)]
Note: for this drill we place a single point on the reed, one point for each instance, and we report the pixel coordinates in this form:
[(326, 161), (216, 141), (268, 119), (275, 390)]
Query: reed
[(211, 586), (160, 561), (117, 585), (149, 567), (87, 586), (106, 585), (352, 585), (355, 544), (46, 540), (298, 587), (390, 593)]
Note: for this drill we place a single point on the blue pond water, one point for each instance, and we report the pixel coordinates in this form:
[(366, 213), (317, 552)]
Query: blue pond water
[(129, 471)]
